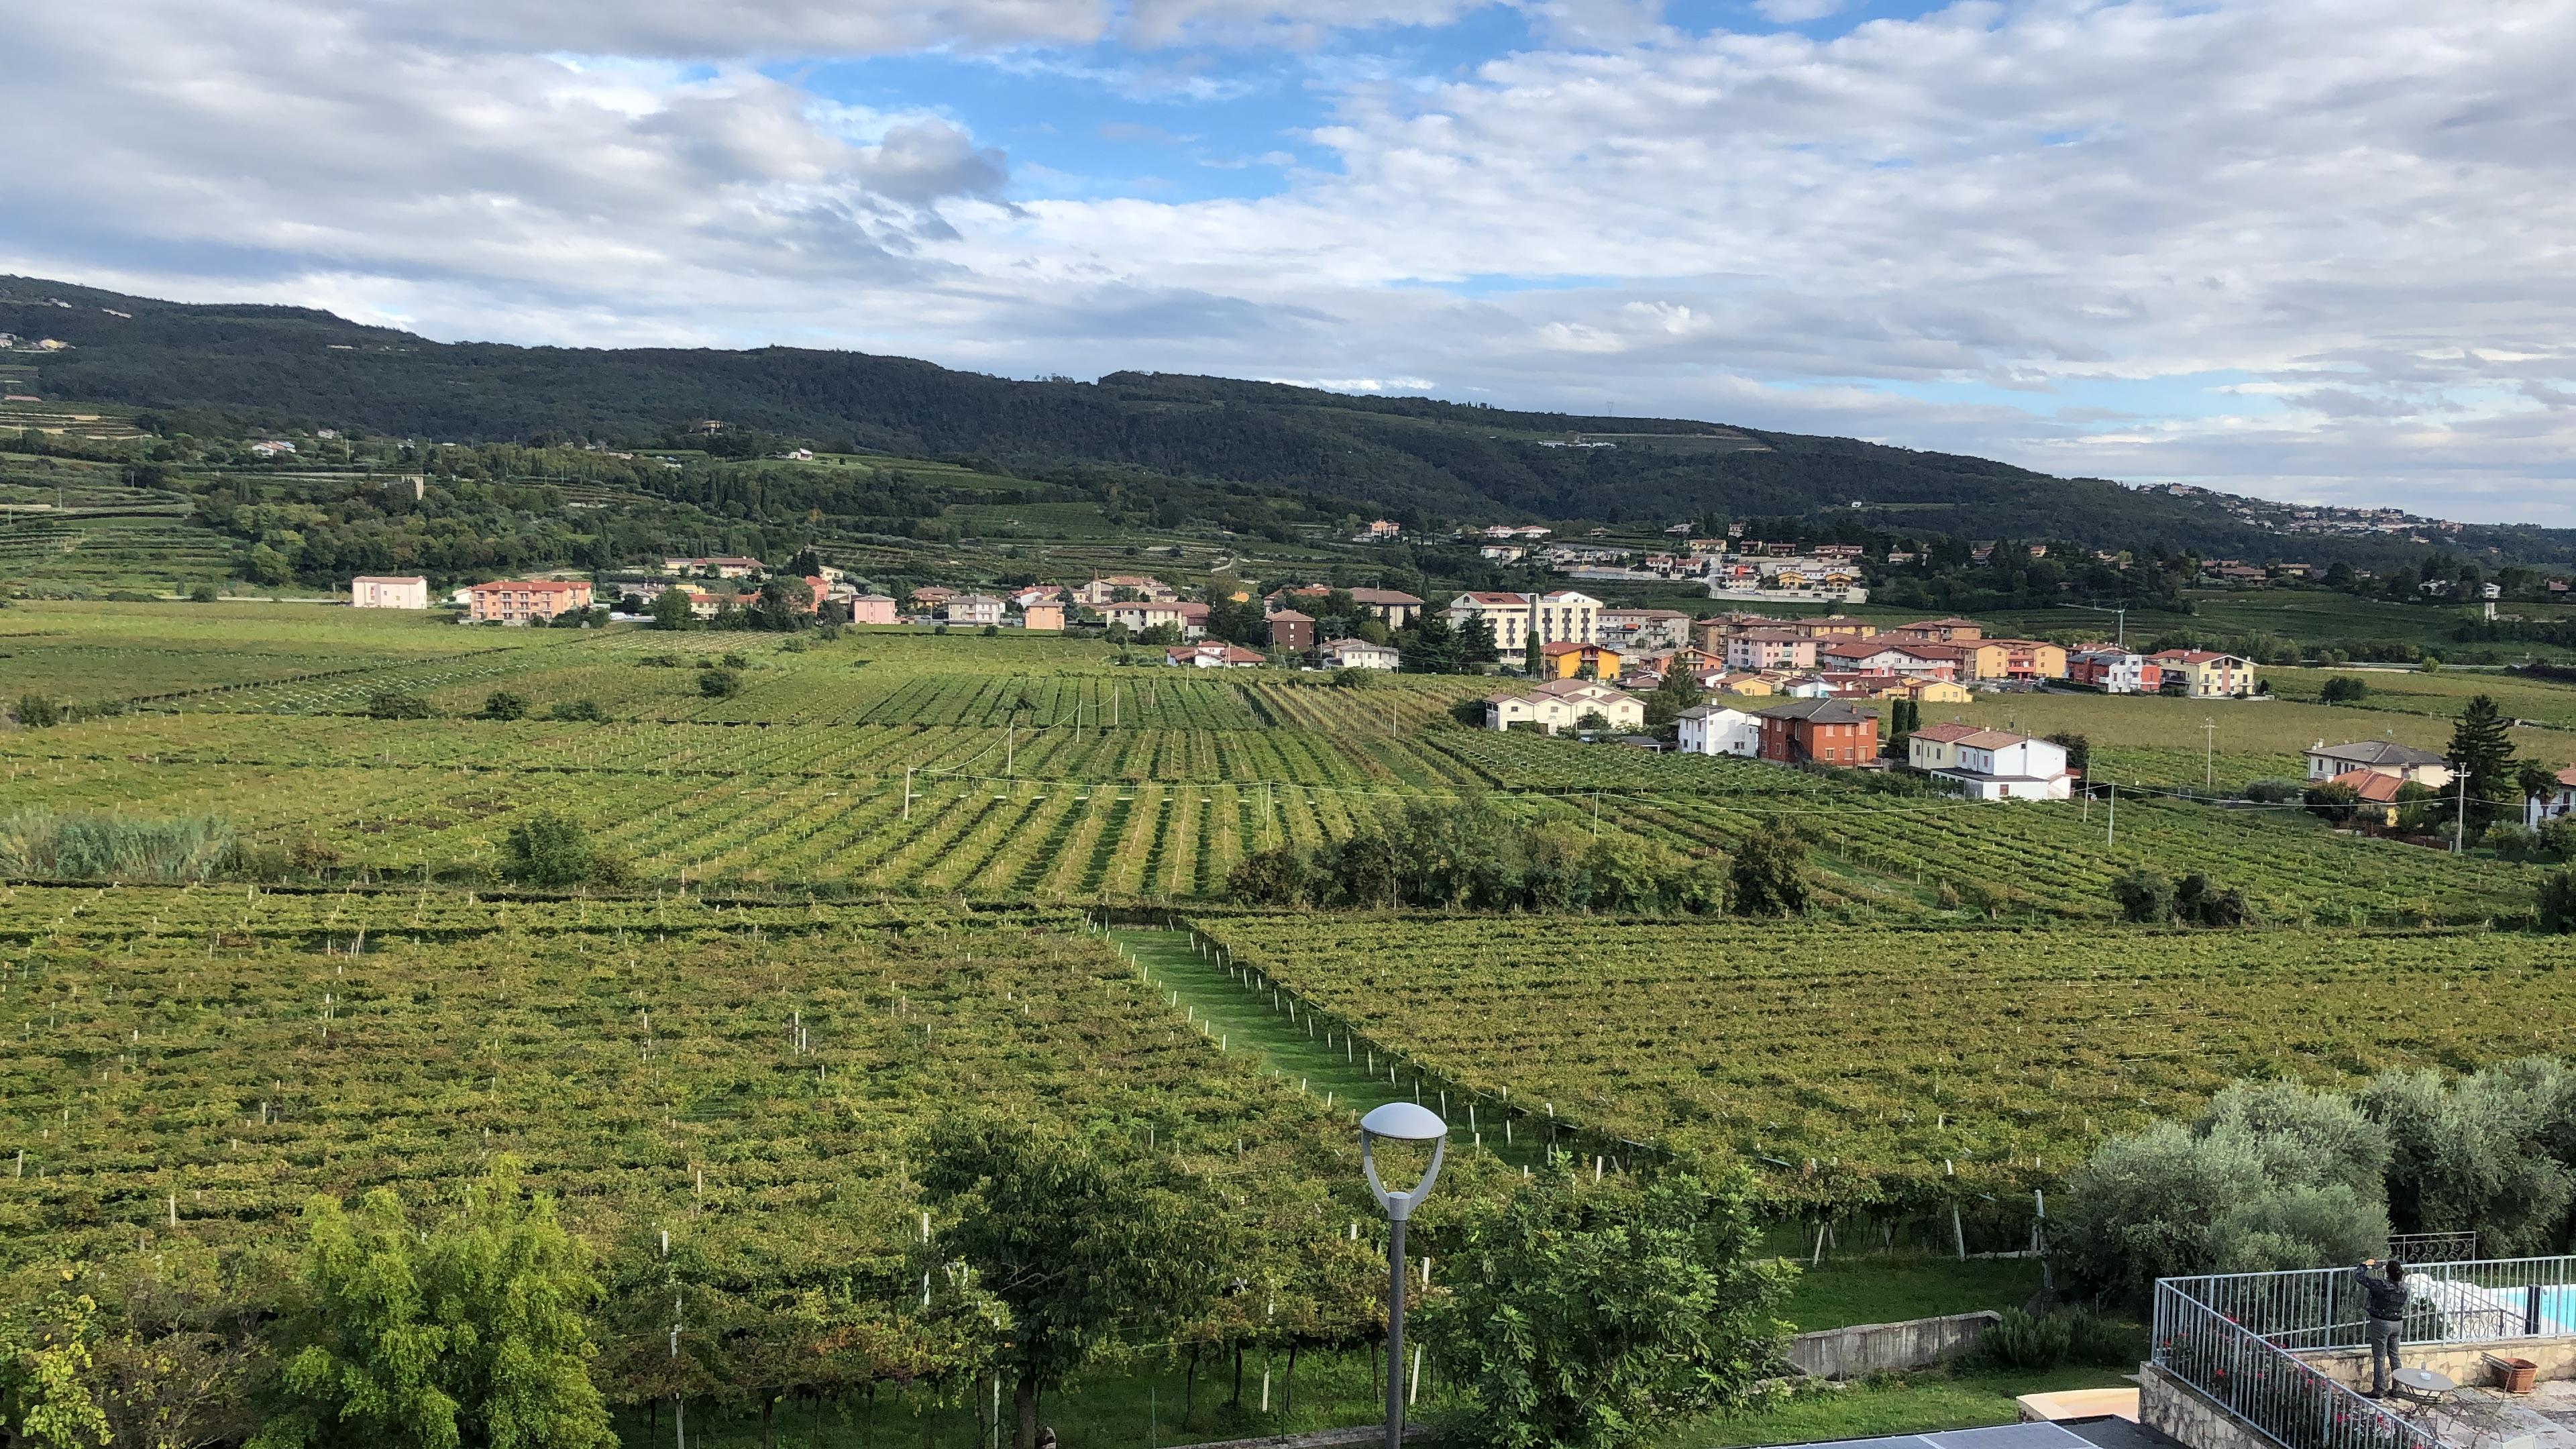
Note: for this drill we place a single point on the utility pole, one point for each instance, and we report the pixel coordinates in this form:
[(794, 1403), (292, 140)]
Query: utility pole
[(2460, 821), (2209, 754), (907, 792)]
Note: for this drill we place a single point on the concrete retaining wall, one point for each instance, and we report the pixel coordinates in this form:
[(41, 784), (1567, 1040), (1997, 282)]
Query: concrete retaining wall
[(1866, 1348), (2462, 1363)]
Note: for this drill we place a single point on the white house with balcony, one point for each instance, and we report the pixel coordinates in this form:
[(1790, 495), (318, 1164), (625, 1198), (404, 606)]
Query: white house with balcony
[(1984, 764)]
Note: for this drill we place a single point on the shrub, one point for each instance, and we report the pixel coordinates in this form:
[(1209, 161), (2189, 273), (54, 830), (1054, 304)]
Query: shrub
[(396, 704), (2332, 800), (2512, 841), (37, 711), (547, 849), (202, 594), (719, 683), (2144, 896), (992, 631), (502, 704), (2024, 1344), (661, 661), (578, 709), (792, 645), (2200, 901), (2344, 689), (736, 661), (2271, 792)]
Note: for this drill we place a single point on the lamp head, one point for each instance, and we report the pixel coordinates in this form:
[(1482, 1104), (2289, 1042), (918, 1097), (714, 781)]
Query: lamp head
[(1405, 1122), (1402, 1122)]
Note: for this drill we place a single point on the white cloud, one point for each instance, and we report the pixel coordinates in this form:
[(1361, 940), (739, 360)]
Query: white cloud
[(2348, 216), (1796, 12)]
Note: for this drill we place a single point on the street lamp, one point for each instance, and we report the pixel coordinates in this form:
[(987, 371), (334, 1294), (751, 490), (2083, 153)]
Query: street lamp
[(1399, 1122)]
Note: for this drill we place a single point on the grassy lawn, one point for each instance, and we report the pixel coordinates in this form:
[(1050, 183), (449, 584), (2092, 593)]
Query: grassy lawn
[(1891, 1404), (1889, 1290)]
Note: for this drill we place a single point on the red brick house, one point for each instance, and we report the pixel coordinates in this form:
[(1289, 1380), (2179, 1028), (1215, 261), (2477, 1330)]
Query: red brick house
[(1819, 731)]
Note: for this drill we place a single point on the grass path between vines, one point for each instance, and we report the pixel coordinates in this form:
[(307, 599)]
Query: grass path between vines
[(1246, 1021)]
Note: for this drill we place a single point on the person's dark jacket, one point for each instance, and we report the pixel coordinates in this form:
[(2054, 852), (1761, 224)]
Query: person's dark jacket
[(2387, 1300)]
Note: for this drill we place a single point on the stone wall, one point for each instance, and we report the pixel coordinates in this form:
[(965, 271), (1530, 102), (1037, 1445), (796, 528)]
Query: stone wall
[(2177, 1409), (2461, 1363), (1866, 1348)]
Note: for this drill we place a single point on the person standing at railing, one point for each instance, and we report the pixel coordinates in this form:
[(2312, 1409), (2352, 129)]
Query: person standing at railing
[(2387, 1292)]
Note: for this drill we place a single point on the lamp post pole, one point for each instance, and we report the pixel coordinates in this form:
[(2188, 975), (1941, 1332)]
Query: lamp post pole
[(1399, 1122)]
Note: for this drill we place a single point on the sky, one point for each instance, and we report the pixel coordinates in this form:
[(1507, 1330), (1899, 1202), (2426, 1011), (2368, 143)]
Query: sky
[(2314, 250)]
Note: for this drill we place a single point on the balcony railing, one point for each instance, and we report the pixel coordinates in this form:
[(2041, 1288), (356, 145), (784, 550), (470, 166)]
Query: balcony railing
[(2237, 1337)]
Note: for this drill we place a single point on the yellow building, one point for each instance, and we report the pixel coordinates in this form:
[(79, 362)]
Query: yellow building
[(2012, 659)]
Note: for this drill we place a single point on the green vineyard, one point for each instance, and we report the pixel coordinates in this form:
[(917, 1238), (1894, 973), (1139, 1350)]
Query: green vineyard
[(1864, 1067)]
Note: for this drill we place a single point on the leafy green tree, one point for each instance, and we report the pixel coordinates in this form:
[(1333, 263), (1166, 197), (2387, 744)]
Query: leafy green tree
[(2332, 800), (2476, 1152), (2344, 689), (2271, 1176), (38, 711), (1586, 1315), (1089, 1245), (396, 704), (1533, 661), (1666, 701), (719, 683), (577, 709), (2483, 751), (1476, 642), (784, 605), (46, 1366), (671, 611), (502, 704), (1769, 875), (405, 1335), (2201, 901)]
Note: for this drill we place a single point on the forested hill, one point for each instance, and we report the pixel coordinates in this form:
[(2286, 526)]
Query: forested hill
[(1406, 456)]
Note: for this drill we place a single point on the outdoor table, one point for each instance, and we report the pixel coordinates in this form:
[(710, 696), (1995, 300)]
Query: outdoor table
[(2420, 1385)]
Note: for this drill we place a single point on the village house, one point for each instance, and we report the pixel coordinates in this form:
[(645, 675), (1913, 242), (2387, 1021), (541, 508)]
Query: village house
[(1759, 649), (1571, 661), (1984, 764), (1746, 683), (1883, 656), (1396, 607), (1141, 615), (972, 610), (1924, 690), (2560, 802), (1212, 656), (1044, 615), (1819, 731), (522, 601), (1357, 654), (1643, 629), (1501, 552), (722, 567), (1714, 729), (1832, 627), (1042, 594), (1100, 593), (1561, 704), (1940, 631), (872, 609), (931, 596), (2207, 674), (2114, 671), (375, 591), (1291, 630), (2403, 763), (1382, 531)]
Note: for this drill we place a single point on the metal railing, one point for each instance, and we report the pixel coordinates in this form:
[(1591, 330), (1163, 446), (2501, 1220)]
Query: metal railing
[(2238, 1337), (2466, 1302), (2412, 1249)]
